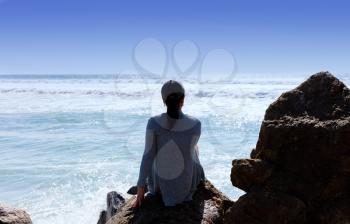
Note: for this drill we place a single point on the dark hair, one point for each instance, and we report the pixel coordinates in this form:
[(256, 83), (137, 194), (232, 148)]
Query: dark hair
[(173, 104)]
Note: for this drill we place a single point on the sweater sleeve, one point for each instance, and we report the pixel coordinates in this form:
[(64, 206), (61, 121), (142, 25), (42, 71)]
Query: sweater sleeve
[(197, 135), (148, 154)]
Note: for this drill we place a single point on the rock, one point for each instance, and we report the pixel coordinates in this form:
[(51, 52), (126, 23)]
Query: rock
[(114, 203), (103, 217), (247, 173), (335, 212), (9, 215), (301, 160), (208, 206), (322, 96), (257, 207)]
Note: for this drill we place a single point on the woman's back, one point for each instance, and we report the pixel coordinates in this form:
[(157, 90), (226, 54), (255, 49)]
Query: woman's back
[(170, 163), (176, 169)]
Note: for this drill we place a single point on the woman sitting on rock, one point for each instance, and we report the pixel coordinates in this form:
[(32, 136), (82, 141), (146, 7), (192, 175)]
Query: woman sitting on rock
[(170, 165)]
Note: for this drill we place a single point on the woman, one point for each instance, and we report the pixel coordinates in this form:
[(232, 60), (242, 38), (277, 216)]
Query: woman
[(170, 165)]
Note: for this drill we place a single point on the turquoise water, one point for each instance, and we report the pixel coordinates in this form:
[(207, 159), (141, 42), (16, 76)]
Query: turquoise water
[(65, 143)]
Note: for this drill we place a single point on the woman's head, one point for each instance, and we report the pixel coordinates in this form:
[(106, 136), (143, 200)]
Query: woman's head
[(173, 95)]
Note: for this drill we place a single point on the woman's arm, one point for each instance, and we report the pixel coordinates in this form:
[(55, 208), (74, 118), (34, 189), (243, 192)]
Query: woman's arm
[(147, 161), (140, 196)]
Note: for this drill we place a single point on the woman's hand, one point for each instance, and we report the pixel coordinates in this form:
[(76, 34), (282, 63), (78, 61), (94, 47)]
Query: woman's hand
[(140, 196)]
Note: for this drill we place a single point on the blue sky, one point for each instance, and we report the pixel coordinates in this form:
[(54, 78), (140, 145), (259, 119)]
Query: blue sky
[(98, 36)]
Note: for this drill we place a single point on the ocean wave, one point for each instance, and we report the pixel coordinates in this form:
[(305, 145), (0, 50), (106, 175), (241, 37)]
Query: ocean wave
[(199, 94), (65, 92)]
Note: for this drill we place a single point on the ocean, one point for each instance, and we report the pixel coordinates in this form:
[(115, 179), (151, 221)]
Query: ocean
[(66, 141)]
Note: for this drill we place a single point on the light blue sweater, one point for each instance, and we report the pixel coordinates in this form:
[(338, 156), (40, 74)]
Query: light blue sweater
[(170, 163)]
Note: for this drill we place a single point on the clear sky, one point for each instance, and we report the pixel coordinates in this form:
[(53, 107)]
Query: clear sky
[(98, 36)]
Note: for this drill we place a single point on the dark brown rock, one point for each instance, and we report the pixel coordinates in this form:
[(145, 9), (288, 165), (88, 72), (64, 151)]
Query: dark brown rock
[(208, 206), (321, 96), (247, 173), (305, 138), (333, 212), (9, 215), (266, 207)]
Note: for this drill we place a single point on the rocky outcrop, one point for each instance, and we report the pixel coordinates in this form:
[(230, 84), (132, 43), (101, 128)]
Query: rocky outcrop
[(114, 202), (207, 207), (299, 171), (9, 215)]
